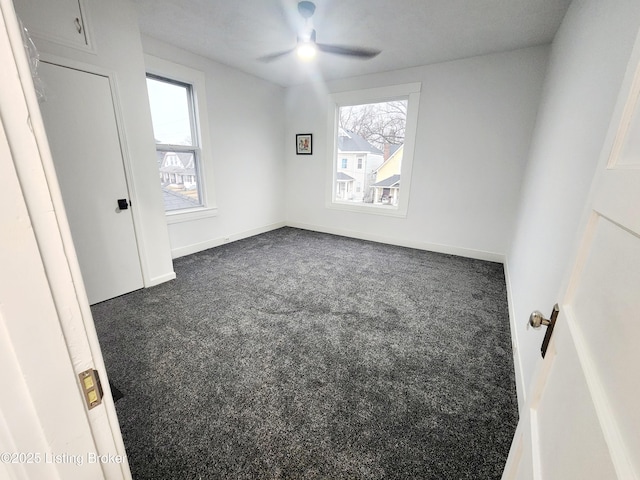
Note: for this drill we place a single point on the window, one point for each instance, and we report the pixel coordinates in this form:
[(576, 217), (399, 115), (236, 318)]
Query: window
[(177, 146), (377, 127), (344, 163), (180, 128)]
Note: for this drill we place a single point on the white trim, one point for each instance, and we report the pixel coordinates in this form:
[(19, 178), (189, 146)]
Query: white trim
[(521, 387), (197, 79), (377, 93), (514, 460), (216, 242), (161, 279), (626, 109), (409, 91), (431, 247), (190, 215), (536, 461), (367, 208)]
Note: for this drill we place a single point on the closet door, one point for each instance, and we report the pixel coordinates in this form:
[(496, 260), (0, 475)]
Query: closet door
[(60, 21), (80, 120)]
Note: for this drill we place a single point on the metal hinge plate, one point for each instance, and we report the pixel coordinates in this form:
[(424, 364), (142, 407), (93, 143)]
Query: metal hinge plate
[(91, 387)]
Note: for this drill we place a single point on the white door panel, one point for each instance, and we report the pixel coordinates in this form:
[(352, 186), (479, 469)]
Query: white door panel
[(565, 421), (83, 135), (607, 321), (582, 419)]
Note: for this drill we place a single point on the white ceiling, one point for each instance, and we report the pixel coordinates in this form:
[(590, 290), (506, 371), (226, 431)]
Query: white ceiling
[(409, 32)]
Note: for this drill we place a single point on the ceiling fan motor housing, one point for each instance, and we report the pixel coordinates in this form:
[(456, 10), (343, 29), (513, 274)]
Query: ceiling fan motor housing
[(306, 9)]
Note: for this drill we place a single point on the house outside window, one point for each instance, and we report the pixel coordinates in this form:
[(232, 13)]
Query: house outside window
[(375, 131), (177, 146), (364, 159), (177, 100)]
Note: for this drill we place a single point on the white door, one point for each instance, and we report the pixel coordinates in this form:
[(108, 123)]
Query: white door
[(81, 126), (582, 417), (47, 336), (41, 397)]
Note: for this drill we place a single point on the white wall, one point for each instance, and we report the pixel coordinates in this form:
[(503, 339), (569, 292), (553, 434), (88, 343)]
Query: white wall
[(587, 64), (114, 28), (474, 129), (246, 119)]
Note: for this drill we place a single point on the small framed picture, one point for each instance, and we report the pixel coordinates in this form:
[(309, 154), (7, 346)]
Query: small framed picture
[(303, 144)]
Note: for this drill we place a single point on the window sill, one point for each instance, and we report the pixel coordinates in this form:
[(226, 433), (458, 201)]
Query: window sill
[(190, 215), (384, 210)]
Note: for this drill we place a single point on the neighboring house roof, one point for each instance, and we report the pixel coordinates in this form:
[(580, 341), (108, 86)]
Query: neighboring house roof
[(352, 142), (343, 177), (394, 148), (392, 181), (185, 158), (173, 201), (398, 150)]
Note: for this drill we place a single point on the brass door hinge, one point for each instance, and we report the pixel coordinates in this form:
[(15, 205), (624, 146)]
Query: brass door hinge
[(91, 387)]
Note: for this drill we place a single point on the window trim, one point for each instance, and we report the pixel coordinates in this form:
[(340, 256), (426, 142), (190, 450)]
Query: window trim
[(409, 91), (181, 74)]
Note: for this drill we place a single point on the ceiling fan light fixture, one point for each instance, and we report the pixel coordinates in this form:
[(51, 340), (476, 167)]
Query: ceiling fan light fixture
[(306, 50)]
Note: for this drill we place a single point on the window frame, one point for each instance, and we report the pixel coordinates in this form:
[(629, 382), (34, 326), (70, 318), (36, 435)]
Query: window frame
[(171, 72), (408, 91)]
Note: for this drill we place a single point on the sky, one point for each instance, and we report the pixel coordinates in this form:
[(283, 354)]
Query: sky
[(170, 112)]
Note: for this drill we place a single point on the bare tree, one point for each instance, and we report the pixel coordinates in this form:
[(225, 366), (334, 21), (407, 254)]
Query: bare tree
[(378, 123)]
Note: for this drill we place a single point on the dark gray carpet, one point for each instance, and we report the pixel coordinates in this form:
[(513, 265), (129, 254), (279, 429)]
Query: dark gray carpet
[(295, 354)]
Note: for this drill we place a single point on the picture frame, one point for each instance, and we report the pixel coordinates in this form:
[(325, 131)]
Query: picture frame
[(304, 144)]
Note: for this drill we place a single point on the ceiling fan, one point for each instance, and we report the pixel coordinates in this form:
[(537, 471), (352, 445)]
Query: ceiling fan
[(307, 47)]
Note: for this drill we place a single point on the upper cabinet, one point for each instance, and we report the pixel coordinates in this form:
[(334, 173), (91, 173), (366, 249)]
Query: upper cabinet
[(60, 21)]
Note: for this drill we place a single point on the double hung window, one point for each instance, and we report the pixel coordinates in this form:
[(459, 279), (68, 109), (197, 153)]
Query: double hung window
[(178, 152), (177, 100)]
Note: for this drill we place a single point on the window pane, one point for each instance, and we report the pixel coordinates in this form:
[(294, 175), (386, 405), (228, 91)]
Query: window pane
[(177, 148), (170, 112), (179, 180), (372, 136)]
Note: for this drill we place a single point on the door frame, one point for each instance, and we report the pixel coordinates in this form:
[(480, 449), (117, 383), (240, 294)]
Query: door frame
[(36, 174)]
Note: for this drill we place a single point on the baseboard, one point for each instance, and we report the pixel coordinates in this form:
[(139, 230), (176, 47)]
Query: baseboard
[(521, 390), (216, 242), (432, 247), (161, 279)]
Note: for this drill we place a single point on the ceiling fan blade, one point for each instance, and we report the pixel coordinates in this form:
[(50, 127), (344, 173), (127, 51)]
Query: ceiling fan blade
[(274, 56), (351, 51)]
